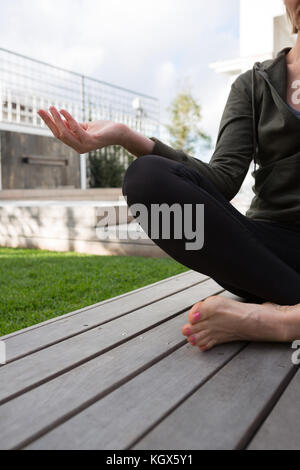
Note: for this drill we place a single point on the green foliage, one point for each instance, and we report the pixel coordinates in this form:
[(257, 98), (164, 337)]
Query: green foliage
[(37, 285), (106, 167), (185, 118)]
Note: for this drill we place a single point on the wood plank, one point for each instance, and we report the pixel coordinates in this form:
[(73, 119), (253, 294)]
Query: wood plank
[(40, 409), (30, 371), (131, 410), (281, 430), (229, 407), (50, 332)]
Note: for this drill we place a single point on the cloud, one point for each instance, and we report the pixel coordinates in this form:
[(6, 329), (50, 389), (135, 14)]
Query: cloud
[(91, 59), (166, 75), (145, 46)]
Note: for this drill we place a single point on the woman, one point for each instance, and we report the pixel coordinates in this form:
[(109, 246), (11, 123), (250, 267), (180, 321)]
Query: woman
[(255, 256)]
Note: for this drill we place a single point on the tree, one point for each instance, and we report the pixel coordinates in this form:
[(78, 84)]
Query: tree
[(105, 167), (185, 118)]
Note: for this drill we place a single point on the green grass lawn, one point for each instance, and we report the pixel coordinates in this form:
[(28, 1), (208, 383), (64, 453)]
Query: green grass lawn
[(38, 285)]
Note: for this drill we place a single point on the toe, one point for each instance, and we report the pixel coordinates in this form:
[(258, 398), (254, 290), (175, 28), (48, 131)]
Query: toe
[(202, 338), (203, 310), (192, 340), (209, 345), (196, 313), (186, 330)]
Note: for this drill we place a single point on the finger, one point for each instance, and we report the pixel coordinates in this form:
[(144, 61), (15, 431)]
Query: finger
[(70, 139), (48, 121), (65, 134), (67, 125), (74, 125), (58, 120)]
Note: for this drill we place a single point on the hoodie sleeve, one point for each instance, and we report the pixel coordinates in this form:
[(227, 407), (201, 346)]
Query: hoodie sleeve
[(234, 149)]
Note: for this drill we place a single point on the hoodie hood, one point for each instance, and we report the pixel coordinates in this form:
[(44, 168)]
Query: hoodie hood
[(274, 73)]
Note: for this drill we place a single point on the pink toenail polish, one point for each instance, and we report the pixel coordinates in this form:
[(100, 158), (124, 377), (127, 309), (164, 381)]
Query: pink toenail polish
[(193, 340), (188, 331), (197, 316)]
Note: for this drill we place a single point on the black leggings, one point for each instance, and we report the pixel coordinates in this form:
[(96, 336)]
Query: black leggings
[(256, 260)]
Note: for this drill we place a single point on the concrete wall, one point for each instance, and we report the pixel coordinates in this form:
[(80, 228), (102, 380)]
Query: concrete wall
[(74, 226), (59, 166)]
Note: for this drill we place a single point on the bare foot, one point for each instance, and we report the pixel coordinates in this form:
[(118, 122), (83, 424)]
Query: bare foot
[(220, 319)]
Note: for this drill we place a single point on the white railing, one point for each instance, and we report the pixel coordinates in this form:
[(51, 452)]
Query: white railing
[(27, 85)]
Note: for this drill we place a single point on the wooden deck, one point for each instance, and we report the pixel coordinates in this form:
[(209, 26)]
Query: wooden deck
[(120, 375)]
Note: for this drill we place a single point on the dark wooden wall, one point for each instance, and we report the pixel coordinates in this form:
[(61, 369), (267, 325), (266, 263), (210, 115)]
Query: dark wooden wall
[(50, 163)]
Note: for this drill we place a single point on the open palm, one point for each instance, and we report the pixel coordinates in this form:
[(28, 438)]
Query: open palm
[(82, 137)]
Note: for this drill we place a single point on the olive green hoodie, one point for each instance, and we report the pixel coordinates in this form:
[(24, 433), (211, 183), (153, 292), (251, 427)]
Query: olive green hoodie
[(257, 124)]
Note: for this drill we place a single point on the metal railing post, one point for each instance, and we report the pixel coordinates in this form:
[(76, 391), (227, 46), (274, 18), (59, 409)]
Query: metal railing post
[(0, 161), (1, 102), (83, 158)]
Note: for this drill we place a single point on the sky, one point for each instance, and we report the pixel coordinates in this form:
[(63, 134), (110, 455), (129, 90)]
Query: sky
[(152, 47)]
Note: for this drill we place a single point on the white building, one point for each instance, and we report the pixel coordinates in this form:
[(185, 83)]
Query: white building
[(264, 31)]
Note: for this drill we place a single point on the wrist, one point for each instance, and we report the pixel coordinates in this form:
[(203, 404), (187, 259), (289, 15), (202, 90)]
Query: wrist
[(123, 135), (137, 144)]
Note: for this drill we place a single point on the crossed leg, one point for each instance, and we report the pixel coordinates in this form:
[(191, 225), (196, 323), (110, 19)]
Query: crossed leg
[(235, 254)]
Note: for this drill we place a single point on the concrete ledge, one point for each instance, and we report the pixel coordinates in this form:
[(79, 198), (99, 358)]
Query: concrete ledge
[(84, 227), (37, 216), (85, 246), (101, 194)]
